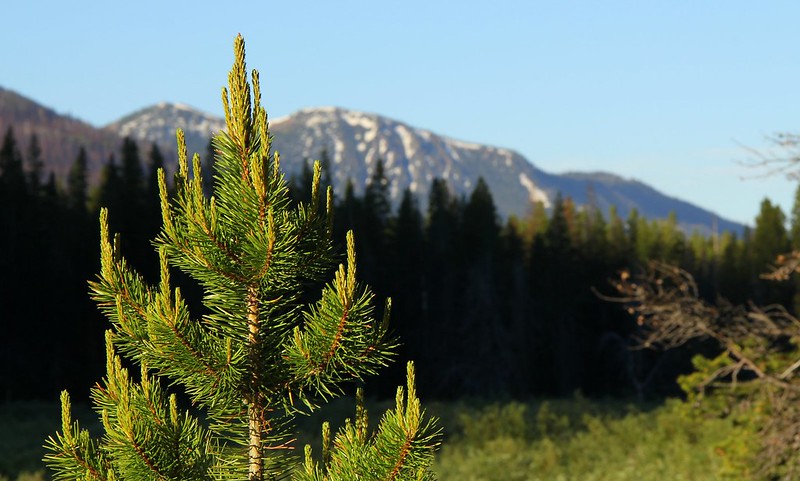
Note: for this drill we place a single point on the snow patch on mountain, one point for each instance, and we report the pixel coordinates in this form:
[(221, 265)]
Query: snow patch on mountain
[(355, 141), (158, 123), (535, 194)]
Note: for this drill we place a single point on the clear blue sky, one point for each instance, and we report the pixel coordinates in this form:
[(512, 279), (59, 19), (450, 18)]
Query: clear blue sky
[(665, 92)]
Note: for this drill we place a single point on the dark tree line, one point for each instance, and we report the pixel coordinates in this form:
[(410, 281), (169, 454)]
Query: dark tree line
[(485, 307), (47, 250)]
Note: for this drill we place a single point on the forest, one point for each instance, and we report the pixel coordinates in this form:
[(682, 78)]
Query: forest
[(512, 323), (488, 308)]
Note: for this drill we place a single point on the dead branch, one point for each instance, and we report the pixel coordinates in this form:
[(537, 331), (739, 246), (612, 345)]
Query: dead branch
[(759, 341), (770, 163), (785, 266)]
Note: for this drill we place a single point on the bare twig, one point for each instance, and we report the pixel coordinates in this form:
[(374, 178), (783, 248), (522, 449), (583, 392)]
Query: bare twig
[(759, 343)]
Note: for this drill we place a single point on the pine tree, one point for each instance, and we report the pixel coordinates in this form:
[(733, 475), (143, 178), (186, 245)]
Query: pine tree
[(441, 278), (376, 195), (406, 251), (12, 176), (619, 247), (377, 209), (77, 183), (210, 169), (770, 239), (482, 333), (794, 226), (15, 205), (152, 210), (259, 356), (108, 193), (35, 164), (794, 237)]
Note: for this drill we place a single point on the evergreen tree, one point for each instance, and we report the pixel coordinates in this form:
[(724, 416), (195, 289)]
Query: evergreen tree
[(108, 193), (592, 233), (619, 247), (439, 300), (632, 228), (534, 223), (512, 298), (377, 201), (325, 163), (132, 185), (152, 209), (348, 211), (672, 239), (405, 253), (374, 226), (794, 232), (794, 237), (14, 213), (131, 171), (210, 169), (260, 355), (479, 229), (770, 239), (76, 182), (769, 236), (558, 237), (482, 333), (12, 177), (553, 293), (154, 165), (36, 165), (301, 186), (76, 232)]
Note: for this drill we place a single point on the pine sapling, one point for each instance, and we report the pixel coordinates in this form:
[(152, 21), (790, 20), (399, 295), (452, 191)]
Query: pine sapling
[(259, 355)]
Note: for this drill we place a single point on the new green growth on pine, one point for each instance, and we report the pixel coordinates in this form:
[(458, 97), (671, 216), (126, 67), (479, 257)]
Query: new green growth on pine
[(260, 356)]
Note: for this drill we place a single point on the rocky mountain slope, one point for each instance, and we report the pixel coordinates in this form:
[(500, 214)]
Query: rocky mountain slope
[(354, 141), (60, 136), (158, 124)]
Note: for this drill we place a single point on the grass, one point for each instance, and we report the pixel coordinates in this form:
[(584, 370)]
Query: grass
[(558, 440), (24, 426), (578, 440)]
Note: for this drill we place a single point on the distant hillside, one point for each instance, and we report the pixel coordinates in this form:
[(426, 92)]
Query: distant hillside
[(159, 123), (355, 141), (413, 157), (604, 190), (60, 136)]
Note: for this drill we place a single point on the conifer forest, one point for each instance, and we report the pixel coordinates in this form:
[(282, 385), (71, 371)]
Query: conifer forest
[(486, 307), (499, 316)]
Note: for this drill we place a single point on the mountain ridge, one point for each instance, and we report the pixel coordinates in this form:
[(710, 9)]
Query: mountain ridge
[(60, 136), (354, 141)]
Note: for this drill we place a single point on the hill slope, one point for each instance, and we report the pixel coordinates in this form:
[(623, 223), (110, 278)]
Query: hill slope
[(354, 142), (413, 157), (60, 136)]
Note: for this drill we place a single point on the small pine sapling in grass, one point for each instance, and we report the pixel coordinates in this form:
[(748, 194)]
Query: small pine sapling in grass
[(260, 356)]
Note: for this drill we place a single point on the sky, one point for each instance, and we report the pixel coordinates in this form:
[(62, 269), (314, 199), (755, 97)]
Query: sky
[(675, 94)]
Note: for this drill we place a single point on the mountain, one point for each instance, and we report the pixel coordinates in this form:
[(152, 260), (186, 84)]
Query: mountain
[(60, 136), (354, 142), (157, 124), (412, 157), (603, 190)]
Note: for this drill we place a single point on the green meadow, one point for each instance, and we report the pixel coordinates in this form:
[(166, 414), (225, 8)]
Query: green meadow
[(555, 440)]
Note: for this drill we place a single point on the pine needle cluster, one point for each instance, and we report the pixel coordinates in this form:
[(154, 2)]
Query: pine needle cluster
[(260, 355)]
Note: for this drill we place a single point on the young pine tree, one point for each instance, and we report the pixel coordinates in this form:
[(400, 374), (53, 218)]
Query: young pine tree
[(259, 357)]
